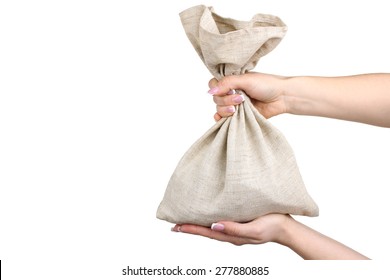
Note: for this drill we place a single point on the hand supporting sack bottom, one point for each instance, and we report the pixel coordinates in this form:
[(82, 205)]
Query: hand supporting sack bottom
[(243, 167)]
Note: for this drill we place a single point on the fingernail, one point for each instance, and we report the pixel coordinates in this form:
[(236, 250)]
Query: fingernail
[(232, 91), (213, 90), (231, 109), (176, 228), (217, 227), (238, 98)]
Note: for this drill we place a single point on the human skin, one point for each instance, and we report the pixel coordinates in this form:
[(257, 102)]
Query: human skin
[(360, 98), (278, 228)]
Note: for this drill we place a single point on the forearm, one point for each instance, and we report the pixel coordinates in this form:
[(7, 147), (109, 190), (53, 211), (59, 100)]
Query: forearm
[(360, 98), (312, 245)]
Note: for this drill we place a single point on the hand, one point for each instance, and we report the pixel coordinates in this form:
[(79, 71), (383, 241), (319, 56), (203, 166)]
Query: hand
[(279, 228), (268, 228), (265, 91)]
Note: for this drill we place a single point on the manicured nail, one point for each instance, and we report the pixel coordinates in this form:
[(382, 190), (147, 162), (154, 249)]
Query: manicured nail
[(213, 90), (217, 227), (176, 228), (238, 99), (232, 91), (231, 109)]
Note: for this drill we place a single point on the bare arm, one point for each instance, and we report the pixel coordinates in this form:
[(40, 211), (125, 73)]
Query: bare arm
[(360, 98), (312, 245)]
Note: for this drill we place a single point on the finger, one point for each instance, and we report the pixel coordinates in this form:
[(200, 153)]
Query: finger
[(225, 111), (200, 230), (209, 233), (176, 228), (234, 229), (213, 83), (217, 117), (226, 84), (227, 100)]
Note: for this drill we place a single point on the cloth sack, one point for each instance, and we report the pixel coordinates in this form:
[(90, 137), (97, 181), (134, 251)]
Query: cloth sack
[(243, 167)]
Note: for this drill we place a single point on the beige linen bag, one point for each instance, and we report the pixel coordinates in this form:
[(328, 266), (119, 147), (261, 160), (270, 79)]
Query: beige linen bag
[(243, 167)]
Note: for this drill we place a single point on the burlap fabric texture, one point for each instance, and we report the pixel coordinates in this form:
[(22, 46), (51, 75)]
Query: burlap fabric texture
[(243, 167)]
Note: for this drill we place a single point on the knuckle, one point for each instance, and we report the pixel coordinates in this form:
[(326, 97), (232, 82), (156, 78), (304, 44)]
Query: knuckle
[(231, 99), (235, 231), (227, 100), (221, 100), (224, 100), (225, 82), (223, 111), (212, 83), (237, 242)]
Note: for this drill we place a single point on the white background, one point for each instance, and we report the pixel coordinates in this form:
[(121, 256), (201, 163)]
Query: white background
[(100, 99)]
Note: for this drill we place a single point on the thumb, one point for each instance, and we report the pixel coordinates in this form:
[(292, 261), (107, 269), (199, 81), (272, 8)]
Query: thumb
[(226, 84), (233, 229)]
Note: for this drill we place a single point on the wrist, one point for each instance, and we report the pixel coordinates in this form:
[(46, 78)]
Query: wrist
[(294, 95), (285, 234)]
